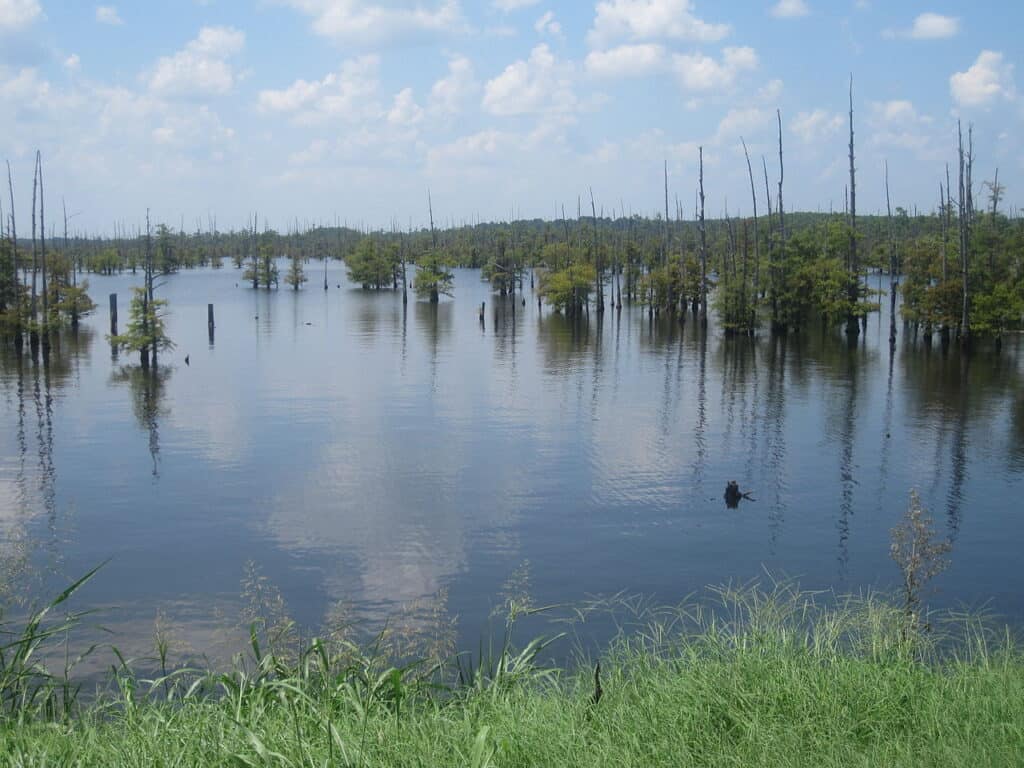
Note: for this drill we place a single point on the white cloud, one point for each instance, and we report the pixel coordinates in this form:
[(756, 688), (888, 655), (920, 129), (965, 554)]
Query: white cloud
[(933, 26), (476, 149), (72, 62), (546, 25), (651, 19), (790, 9), (449, 93), (771, 91), (815, 125), (26, 89), (927, 26), (404, 110), (897, 111), (990, 78), (743, 121), (513, 5), (697, 72), (627, 60), (897, 124), (539, 84), (107, 14), (348, 93), (362, 23), (202, 67), (15, 14)]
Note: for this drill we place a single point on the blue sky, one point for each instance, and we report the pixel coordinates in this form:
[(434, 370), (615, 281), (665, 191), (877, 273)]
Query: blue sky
[(351, 109)]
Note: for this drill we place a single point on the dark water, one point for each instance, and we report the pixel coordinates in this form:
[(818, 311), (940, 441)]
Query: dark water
[(363, 453)]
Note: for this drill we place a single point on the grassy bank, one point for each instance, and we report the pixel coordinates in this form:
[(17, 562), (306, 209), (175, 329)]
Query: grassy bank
[(767, 679)]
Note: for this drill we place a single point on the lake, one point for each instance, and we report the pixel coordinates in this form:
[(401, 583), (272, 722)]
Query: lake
[(366, 455)]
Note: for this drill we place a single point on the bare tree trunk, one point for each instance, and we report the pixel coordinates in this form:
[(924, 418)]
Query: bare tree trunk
[(598, 265), (965, 317), (782, 214), (71, 263), (892, 265), (19, 310), (757, 242), (147, 299), (768, 242), (42, 257), (430, 211), (853, 277), (703, 245), (944, 204), (33, 303)]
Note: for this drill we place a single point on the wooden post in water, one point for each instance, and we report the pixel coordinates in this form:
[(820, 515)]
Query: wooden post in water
[(113, 314), (210, 325)]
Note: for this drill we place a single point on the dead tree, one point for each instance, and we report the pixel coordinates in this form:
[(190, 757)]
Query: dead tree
[(19, 310), (776, 320), (892, 265), (598, 265), (853, 277), (703, 244), (42, 257), (33, 300), (769, 244), (757, 243), (965, 234)]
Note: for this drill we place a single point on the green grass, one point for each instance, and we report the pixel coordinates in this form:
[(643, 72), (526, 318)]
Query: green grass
[(767, 679)]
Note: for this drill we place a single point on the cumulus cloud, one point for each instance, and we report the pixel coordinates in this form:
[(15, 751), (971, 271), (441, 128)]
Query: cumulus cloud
[(742, 121), (15, 14), (348, 93), (651, 19), (627, 60), (897, 124), (448, 94), (202, 67), (513, 5), (698, 72), (927, 26), (538, 84), (771, 91), (932, 26), (363, 23), (547, 25), (790, 9), (107, 14), (475, 149), (815, 125), (986, 81), (404, 110)]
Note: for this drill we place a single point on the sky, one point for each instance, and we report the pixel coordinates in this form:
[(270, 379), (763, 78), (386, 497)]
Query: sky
[(316, 111)]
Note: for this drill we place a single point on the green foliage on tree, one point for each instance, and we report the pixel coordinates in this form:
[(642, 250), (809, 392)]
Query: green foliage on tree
[(168, 259), (296, 275), (568, 289), (13, 295), (373, 264), (434, 277), (145, 333), (504, 270), (68, 300), (264, 269)]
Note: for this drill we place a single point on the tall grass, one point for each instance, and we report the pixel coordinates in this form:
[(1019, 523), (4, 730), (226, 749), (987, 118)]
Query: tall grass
[(755, 676)]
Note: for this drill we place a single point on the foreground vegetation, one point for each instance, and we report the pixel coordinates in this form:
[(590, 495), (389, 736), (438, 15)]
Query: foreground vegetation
[(748, 676), (761, 677)]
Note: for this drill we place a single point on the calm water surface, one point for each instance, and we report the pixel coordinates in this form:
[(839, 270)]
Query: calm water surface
[(374, 455)]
